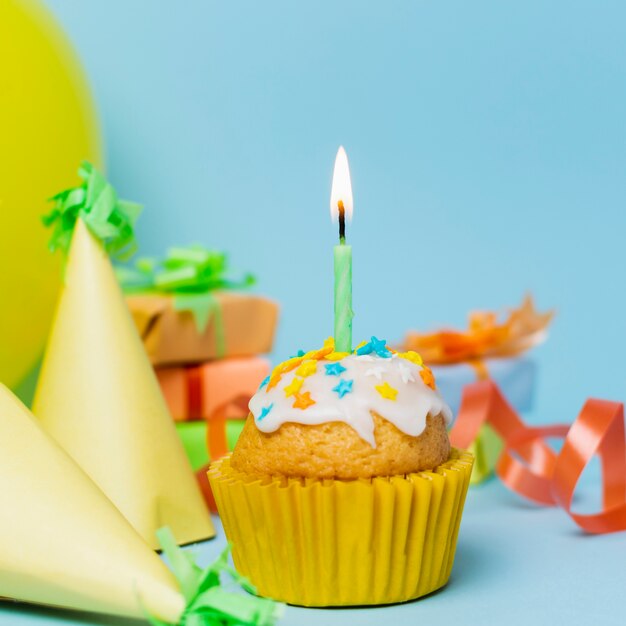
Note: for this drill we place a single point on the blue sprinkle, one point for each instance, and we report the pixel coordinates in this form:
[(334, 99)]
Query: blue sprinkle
[(365, 349), (300, 353), (264, 411), (380, 347), (334, 369), (344, 387), (265, 381)]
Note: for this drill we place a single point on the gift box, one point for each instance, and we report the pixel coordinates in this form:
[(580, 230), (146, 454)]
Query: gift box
[(241, 325), (195, 392), (490, 348), (515, 376), (209, 402), (194, 436)]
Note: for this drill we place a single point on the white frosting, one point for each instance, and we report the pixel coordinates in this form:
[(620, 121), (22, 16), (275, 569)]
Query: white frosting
[(413, 402)]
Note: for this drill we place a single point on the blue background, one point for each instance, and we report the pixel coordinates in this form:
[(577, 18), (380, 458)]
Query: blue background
[(487, 143)]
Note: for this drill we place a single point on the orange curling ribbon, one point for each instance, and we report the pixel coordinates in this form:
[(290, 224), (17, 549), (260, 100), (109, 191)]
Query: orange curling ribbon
[(217, 443), (532, 469)]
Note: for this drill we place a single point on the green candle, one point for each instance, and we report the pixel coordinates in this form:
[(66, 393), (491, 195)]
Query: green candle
[(341, 207), (343, 297)]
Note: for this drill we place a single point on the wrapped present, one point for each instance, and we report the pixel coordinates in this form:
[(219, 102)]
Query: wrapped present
[(489, 348), (209, 402), (187, 311), (171, 336), (194, 436), (515, 376), (195, 392)]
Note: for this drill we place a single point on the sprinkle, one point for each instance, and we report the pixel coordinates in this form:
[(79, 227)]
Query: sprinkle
[(343, 387), (303, 400), (414, 357), (363, 343), (274, 379), (427, 377), (380, 347), (387, 391), (405, 373), (336, 356), (328, 348), (264, 411), (377, 371), (307, 368), (264, 382), (293, 387), (295, 362), (365, 348), (334, 369), (289, 364)]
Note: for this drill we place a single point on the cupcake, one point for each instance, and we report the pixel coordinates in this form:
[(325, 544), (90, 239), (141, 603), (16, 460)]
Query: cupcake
[(343, 488)]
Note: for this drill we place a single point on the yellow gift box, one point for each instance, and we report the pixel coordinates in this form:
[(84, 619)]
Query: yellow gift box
[(317, 542)]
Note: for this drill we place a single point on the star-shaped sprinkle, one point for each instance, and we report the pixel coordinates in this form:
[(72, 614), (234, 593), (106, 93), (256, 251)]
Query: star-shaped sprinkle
[(377, 371), (343, 387), (365, 348), (380, 347), (264, 411), (387, 391), (264, 382), (336, 356), (293, 387), (334, 369), (405, 374), (303, 400), (427, 377), (307, 368)]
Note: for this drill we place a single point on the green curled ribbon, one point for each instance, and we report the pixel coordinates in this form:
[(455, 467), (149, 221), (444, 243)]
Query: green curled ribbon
[(190, 274), (95, 201), (207, 601)]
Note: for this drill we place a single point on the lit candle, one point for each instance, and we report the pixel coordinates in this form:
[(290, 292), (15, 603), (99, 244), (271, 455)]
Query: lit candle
[(341, 210)]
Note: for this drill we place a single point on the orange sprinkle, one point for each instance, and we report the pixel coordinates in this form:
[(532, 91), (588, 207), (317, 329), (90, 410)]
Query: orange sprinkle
[(427, 377), (303, 400)]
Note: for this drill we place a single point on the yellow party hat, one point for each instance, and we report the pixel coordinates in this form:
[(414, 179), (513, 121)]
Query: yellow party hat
[(62, 542), (99, 398)]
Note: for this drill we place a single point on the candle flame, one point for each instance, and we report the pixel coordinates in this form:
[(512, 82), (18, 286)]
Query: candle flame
[(342, 187)]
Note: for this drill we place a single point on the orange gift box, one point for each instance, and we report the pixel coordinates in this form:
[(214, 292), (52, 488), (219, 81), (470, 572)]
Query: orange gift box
[(247, 328), (200, 391)]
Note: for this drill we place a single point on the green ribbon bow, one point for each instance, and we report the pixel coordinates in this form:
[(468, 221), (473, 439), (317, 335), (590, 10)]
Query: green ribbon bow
[(95, 201), (208, 603), (190, 274)]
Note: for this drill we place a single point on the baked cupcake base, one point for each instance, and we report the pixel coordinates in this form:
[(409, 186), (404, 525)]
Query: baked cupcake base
[(312, 542)]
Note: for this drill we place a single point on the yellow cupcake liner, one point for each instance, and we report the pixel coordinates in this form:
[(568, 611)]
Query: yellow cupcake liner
[(314, 542)]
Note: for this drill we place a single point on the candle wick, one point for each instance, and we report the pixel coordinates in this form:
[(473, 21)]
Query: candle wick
[(342, 222)]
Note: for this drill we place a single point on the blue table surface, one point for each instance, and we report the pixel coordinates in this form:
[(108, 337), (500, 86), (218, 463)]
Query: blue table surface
[(516, 564)]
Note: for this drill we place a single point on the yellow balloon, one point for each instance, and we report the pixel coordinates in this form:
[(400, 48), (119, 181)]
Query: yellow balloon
[(47, 126)]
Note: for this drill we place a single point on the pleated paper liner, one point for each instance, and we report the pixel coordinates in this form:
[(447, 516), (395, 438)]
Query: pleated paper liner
[(316, 542)]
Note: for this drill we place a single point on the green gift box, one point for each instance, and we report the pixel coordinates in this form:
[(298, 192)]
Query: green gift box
[(194, 438)]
